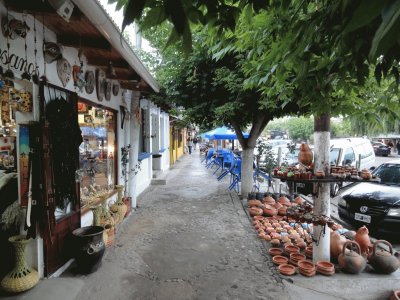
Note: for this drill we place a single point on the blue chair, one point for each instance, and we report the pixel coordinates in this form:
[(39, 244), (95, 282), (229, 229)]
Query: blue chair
[(216, 159), (209, 155), (236, 175), (258, 173)]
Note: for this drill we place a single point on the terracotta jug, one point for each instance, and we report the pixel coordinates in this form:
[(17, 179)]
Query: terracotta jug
[(362, 238), (305, 155), (382, 261), (395, 295), (352, 261), (337, 244)]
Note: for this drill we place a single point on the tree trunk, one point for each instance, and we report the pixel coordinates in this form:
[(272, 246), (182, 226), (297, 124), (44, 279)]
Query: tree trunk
[(247, 171), (321, 249)]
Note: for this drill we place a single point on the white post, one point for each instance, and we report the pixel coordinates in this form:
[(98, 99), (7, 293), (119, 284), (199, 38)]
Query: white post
[(321, 234), (134, 125)]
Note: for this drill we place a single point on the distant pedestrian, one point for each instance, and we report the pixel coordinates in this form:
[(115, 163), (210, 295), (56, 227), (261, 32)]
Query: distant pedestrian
[(190, 144), (398, 147), (195, 141)]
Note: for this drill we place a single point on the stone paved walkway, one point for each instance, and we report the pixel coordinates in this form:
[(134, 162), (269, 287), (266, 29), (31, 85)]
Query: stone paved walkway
[(189, 239)]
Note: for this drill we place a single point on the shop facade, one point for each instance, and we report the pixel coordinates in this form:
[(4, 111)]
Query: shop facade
[(73, 105)]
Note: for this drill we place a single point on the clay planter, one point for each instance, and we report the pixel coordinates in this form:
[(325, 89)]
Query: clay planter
[(286, 269), (279, 260), (252, 203), (296, 257), (255, 211), (258, 218), (89, 248), (268, 200), (325, 268), (306, 268), (269, 211), (305, 155), (275, 251), (284, 201), (282, 211), (291, 249), (275, 242)]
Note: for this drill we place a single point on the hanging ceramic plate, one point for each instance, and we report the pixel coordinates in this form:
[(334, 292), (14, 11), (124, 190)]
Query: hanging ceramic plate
[(89, 78), (107, 88), (100, 84), (64, 71), (115, 88)]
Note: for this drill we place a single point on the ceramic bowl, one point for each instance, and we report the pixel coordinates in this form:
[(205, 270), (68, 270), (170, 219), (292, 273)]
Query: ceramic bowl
[(286, 269), (275, 251), (279, 260)]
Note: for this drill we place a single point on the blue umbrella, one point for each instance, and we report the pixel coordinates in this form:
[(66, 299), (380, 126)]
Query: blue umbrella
[(223, 133)]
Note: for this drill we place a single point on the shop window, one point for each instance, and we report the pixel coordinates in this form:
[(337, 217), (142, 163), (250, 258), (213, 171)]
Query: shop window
[(97, 151)]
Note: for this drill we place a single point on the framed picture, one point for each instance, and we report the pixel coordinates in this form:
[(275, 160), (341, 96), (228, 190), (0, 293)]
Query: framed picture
[(4, 153), (6, 131), (88, 119), (99, 113)]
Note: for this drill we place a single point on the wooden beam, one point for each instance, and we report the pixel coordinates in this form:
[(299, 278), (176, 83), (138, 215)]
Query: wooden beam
[(104, 62), (84, 42), (135, 85)]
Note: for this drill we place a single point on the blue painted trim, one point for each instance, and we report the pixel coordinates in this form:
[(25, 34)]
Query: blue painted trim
[(143, 155)]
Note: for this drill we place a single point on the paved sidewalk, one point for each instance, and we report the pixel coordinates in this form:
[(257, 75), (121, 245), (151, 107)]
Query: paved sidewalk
[(190, 239)]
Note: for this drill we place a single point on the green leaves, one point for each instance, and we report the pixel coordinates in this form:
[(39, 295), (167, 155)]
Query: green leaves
[(133, 11), (388, 32)]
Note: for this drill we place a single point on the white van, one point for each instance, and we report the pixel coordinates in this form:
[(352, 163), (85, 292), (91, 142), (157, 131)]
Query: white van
[(355, 152)]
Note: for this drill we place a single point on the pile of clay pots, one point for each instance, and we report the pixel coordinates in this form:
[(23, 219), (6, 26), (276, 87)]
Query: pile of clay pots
[(287, 225)]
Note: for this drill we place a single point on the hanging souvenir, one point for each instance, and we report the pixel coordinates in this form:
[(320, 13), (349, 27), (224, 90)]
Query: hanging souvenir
[(8, 74), (100, 84), (13, 28), (35, 76), (64, 71), (115, 88), (107, 89), (89, 78), (51, 52), (25, 103), (5, 108), (25, 75)]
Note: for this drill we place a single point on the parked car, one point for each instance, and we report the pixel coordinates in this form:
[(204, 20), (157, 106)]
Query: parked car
[(374, 204), (381, 149)]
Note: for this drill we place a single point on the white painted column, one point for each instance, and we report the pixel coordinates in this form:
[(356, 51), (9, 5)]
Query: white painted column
[(134, 125), (321, 248)]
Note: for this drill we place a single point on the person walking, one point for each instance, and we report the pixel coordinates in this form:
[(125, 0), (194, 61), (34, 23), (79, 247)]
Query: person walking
[(398, 147), (190, 144), (195, 143)]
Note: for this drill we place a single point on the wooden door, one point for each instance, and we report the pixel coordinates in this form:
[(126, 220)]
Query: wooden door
[(60, 219)]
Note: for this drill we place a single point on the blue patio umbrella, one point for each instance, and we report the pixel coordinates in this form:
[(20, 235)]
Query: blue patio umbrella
[(223, 133)]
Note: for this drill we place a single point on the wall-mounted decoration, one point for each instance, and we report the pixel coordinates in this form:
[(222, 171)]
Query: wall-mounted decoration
[(14, 28), (82, 108), (99, 113), (89, 78), (23, 162), (88, 119), (64, 71), (100, 84), (51, 52), (78, 77), (107, 89), (115, 88)]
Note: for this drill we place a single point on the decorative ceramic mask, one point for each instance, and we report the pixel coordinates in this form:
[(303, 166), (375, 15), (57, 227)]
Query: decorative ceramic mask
[(89, 78), (64, 71), (51, 52), (100, 84)]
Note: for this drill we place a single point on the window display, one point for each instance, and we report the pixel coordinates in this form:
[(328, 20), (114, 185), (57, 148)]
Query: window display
[(97, 152)]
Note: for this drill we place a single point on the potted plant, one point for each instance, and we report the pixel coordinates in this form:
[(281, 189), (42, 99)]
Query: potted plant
[(125, 174)]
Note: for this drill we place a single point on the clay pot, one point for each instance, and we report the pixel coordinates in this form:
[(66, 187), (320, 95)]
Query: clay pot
[(252, 203), (383, 261), (366, 174), (279, 260), (325, 267), (291, 249), (362, 238), (282, 211), (258, 218), (255, 211), (320, 174), (352, 261), (269, 200), (275, 251), (306, 265), (269, 211), (287, 269), (284, 201), (277, 205), (305, 155), (395, 295), (298, 200), (337, 243), (275, 242), (350, 235)]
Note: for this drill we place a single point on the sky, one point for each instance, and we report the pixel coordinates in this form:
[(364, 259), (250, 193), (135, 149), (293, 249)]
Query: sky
[(117, 16)]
